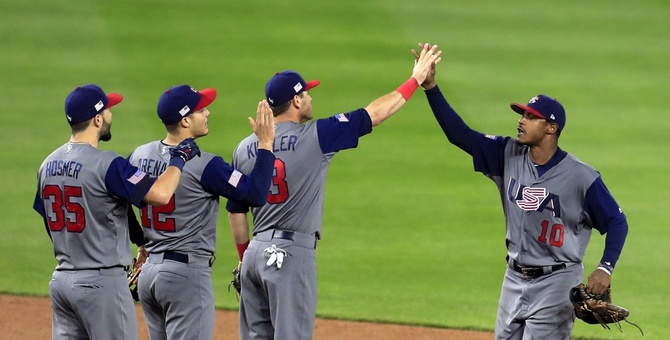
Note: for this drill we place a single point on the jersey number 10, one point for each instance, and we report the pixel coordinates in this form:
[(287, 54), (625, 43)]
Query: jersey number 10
[(554, 236)]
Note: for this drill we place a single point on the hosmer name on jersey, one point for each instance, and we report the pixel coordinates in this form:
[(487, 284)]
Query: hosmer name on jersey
[(285, 143), (63, 168), (533, 199), (153, 167)]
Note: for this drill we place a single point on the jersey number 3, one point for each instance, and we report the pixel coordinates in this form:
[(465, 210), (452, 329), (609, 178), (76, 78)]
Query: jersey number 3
[(279, 188)]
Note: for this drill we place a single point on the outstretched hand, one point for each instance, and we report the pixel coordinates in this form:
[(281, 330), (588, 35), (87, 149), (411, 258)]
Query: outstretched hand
[(424, 63), (263, 126), (429, 81)]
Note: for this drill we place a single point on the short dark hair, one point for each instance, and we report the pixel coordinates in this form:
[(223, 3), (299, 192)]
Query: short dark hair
[(81, 126), (173, 128), (277, 110), (281, 108)]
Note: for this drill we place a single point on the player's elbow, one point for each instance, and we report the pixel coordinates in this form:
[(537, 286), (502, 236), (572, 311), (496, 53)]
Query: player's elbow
[(256, 199), (157, 197)]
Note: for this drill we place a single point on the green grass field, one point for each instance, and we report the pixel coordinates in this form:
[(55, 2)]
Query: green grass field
[(411, 233)]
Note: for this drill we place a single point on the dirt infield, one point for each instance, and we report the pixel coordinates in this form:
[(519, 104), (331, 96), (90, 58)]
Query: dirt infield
[(30, 318)]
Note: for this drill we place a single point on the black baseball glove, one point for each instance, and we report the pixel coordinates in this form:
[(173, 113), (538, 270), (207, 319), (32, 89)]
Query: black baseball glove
[(598, 309)]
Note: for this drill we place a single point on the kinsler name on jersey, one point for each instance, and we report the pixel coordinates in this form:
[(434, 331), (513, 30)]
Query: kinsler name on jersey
[(533, 199), (285, 143)]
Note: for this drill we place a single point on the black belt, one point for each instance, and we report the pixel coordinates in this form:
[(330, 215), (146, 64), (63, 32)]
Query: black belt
[(181, 257), (283, 234), (175, 256), (298, 238), (535, 272)]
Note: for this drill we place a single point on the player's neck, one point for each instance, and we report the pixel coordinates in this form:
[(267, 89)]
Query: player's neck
[(291, 115), (175, 139), (541, 154), (85, 137)]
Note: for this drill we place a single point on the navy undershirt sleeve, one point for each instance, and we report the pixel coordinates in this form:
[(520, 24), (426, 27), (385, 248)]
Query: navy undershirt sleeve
[(251, 189), (342, 131), (119, 180), (607, 218), (38, 205), (486, 151), (135, 229)]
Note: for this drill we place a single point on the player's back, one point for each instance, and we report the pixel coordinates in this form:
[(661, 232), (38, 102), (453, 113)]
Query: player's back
[(295, 201), (88, 225), (188, 222)]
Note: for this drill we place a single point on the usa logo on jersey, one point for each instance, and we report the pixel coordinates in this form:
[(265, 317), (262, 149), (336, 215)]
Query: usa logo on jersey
[(533, 198)]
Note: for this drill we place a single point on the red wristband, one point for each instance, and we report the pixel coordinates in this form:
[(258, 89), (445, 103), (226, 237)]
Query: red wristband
[(241, 248), (407, 88)]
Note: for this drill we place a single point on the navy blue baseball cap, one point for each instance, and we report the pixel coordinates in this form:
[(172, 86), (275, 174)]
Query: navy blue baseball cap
[(86, 101), (180, 101), (544, 107), (283, 86)]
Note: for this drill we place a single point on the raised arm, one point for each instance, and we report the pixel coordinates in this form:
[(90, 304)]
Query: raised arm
[(384, 107)]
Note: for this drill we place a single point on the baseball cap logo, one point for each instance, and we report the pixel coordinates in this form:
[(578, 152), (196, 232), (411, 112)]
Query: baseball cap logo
[(552, 117), (184, 110), (297, 87), (533, 100), (99, 105)]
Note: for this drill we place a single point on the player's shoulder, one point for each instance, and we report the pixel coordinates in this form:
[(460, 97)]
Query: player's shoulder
[(149, 146), (579, 165)]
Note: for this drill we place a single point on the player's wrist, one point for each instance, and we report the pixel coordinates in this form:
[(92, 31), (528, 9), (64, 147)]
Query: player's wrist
[(241, 247), (177, 161), (265, 146), (609, 272), (407, 88), (427, 86)]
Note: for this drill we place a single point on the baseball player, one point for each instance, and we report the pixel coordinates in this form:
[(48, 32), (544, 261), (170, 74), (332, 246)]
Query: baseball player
[(83, 195), (175, 285), (278, 269), (551, 201)]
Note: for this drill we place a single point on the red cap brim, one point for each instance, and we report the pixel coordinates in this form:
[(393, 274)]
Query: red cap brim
[(520, 109), (207, 96), (311, 84), (113, 99)]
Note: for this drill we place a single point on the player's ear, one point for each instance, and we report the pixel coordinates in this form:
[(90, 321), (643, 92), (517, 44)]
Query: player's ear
[(184, 122), (552, 128), (297, 99), (97, 120), (295, 102)]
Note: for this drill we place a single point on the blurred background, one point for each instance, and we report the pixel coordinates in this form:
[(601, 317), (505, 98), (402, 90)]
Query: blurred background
[(411, 233)]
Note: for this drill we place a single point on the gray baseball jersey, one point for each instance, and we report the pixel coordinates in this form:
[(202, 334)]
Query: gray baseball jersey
[(279, 301), (550, 211), (177, 295), (83, 196), (548, 208)]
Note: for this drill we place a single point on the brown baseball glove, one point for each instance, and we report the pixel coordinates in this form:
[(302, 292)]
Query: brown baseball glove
[(598, 309), (133, 275), (235, 282)]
